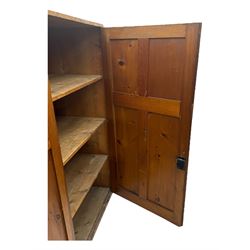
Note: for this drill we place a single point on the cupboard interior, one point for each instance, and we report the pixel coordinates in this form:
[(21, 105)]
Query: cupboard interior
[(76, 76)]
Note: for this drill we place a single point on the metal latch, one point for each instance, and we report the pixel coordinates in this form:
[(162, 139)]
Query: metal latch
[(180, 162)]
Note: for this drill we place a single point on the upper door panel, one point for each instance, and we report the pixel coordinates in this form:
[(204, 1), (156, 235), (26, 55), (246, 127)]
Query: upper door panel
[(125, 65), (167, 53)]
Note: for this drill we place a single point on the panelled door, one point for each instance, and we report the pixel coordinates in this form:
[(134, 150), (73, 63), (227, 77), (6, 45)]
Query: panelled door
[(152, 73)]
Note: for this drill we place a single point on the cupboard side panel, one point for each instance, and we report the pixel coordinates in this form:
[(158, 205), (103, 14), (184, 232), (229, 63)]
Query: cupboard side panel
[(59, 171), (56, 223)]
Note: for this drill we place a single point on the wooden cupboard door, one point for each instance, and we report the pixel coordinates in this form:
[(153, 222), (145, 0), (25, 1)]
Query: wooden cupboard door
[(151, 81)]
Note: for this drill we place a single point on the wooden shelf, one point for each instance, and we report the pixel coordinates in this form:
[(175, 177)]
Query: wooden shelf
[(74, 132), (90, 213), (63, 85), (80, 175)]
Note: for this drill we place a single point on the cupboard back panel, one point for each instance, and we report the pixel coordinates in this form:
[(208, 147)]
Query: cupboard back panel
[(98, 144), (89, 101), (75, 51)]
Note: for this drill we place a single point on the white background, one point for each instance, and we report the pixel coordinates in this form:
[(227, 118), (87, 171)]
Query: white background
[(217, 199)]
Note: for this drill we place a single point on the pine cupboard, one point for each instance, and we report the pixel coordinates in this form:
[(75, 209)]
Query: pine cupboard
[(120, 106)]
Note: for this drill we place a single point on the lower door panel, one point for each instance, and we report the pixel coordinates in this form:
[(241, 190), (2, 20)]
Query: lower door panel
[(163, 134), (127, 143), (157, 163)]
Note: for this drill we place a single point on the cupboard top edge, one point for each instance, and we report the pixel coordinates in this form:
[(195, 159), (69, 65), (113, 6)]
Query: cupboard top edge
[(78, 22), (154, 25), (57, 19)]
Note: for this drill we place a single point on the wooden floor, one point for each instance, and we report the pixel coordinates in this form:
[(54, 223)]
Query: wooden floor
[(90, 213)]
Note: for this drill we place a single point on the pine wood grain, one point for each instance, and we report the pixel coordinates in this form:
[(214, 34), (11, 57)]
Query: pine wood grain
[(80, 174), (154, 31), (163, 132), (74, 132), (110, 113), (74, 51), (156, 105), (191, 62), (60, 20), (143, 64), (90, 213), (77, 104), (98, 144), (142, 156), (163, 90), (63, 85), (59, 172), (56, 222), (127, 143), (125, 65), (166, 65), (74, 47)]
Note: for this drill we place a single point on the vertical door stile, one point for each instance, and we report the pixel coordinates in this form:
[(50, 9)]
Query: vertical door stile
[(187, 99), (143, 46)]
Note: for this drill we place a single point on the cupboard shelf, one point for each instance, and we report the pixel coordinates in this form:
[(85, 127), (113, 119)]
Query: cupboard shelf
[(80, 174), (74, 132), (63, 85), (88, 216)]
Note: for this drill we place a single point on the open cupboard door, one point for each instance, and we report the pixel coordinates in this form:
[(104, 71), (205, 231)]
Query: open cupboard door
[(151, 81)]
